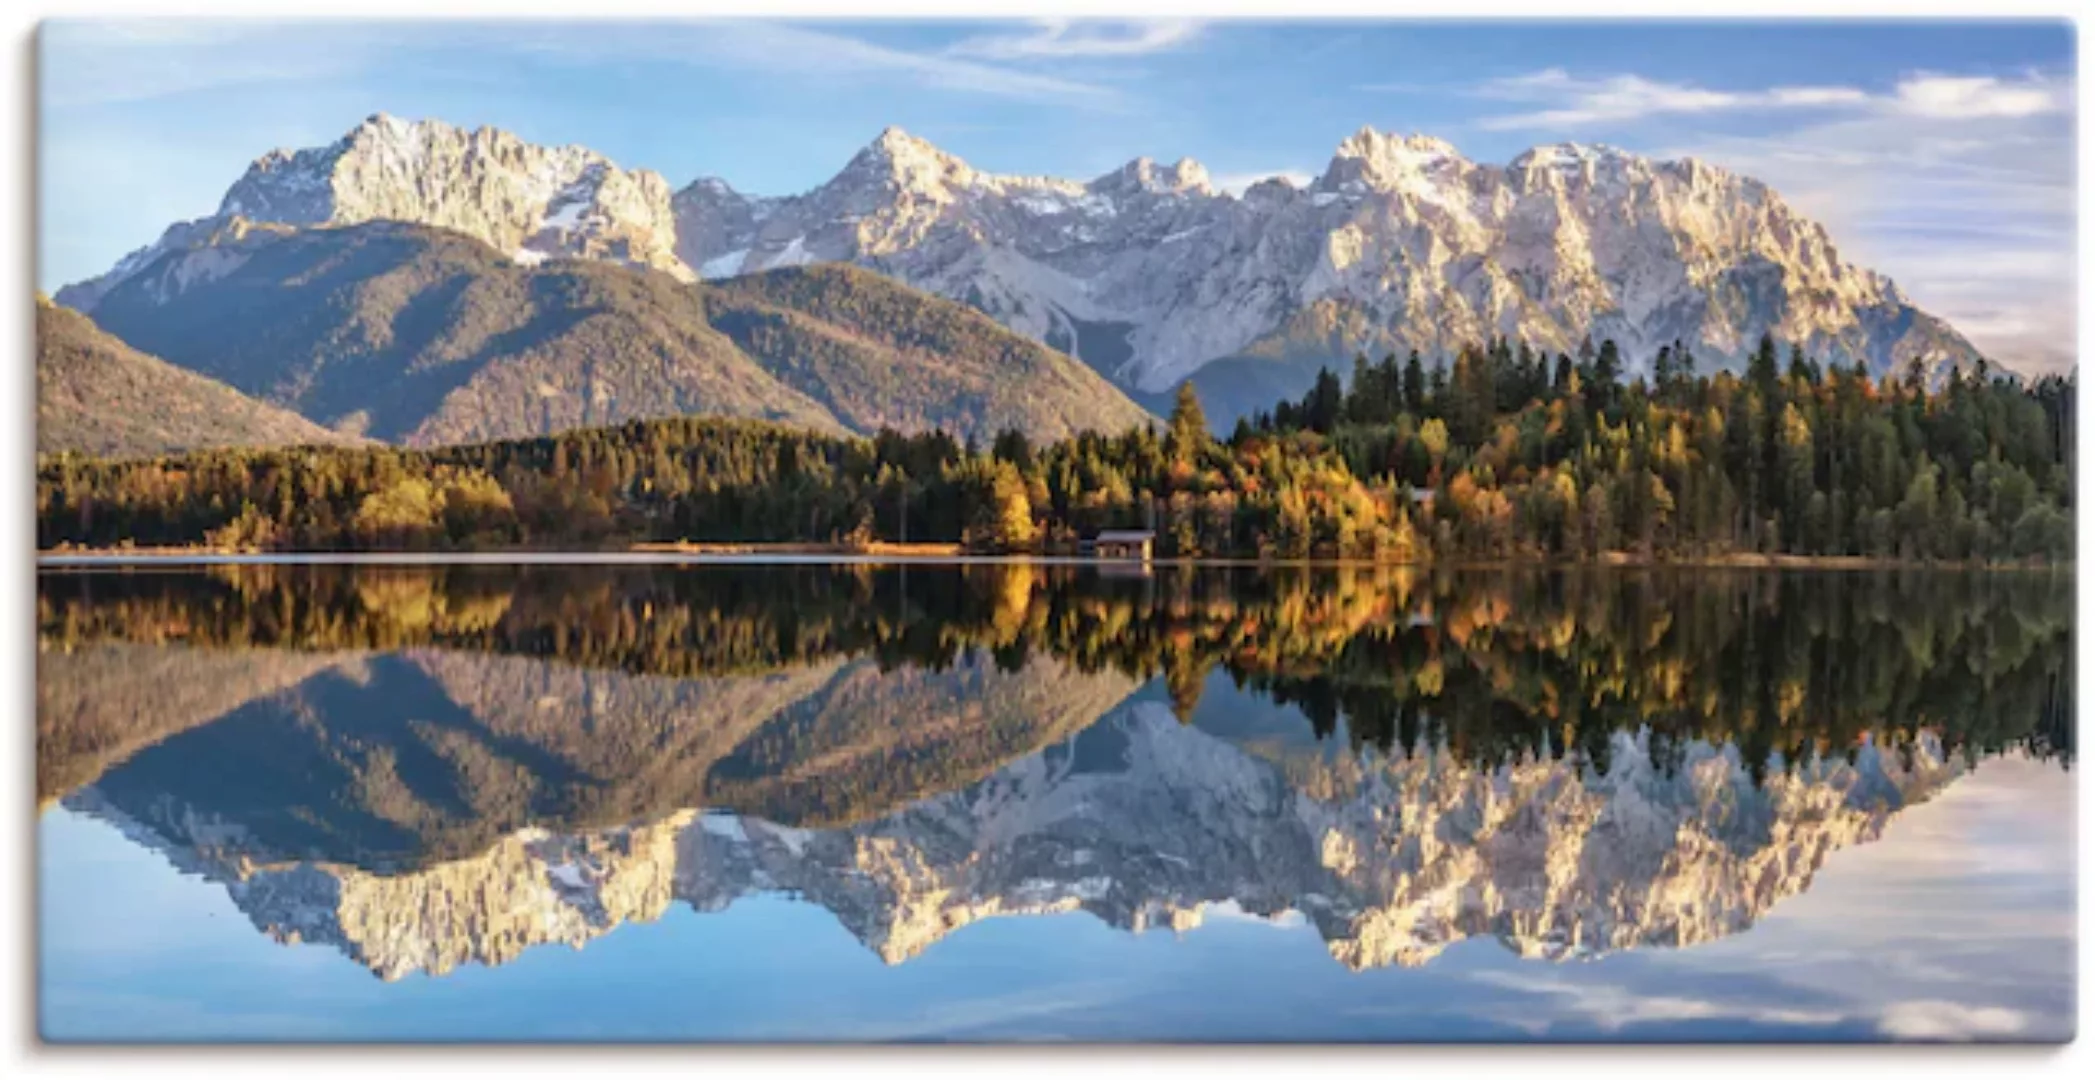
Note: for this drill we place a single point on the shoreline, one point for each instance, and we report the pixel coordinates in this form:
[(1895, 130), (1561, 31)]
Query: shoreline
[(730, 552)]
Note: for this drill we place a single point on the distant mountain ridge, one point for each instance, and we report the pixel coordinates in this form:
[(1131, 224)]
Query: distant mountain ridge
[(426, 335), (1152, 275), (1149, 273)]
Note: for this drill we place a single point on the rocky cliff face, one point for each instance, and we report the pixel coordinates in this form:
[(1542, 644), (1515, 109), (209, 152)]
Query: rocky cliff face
[(1144, 823), (530, 201), (1149, 273)]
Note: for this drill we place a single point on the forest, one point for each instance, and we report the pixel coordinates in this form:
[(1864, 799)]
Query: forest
[(1502, 453)]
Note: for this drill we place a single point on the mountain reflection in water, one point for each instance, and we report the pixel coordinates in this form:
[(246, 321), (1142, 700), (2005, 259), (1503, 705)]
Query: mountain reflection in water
[(425, 767)]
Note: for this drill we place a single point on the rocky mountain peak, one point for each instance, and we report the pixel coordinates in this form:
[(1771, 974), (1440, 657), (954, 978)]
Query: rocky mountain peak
[(1370, 144), (532, 201), (1144, 176), (385, 128), (1569, 155), (894, 142), (711, 186), (908, 164), (1386, 161)]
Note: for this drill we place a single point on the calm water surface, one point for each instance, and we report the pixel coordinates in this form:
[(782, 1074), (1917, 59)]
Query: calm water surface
[(744, 802)]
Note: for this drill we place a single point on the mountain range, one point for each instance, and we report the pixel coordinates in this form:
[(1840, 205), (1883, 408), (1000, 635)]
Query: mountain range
[(423, 335), (1150, 274), (1136, 819)]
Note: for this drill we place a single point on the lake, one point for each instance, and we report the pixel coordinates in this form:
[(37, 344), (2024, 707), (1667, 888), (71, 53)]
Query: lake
[(745, 801)]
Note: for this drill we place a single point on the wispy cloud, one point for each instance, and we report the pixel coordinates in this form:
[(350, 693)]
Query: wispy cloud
[(1629, 97), (1950, 1021), (1064, 39), (103, 62), (802, 50), (1616, 1008), (1954, 98), (1589, 100), (95, 62)]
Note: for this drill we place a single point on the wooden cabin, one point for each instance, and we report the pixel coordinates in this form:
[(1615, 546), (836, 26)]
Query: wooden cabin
[(1124, 544)]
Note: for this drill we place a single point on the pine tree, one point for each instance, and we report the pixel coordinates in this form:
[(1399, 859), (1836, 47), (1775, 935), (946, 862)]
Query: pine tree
[(1189, 423), (1607, 374), (1326, 398), (1760, 370), (1361, 394), (1414, 385), (1012, 445), (1799, 368)]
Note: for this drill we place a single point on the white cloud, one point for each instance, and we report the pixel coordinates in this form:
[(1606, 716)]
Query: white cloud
[(99, 62), (1557, 999), (801, 50), (1063, 39), (1628, 97), (1613, 98), (798, 51), (1805, 96), (1950, 97), (93, 62), (1949, 1021)]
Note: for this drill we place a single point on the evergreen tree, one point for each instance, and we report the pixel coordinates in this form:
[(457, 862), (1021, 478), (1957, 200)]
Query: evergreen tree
[(1414, 385), (1760, 369), (1321, 409), (1189, 423)]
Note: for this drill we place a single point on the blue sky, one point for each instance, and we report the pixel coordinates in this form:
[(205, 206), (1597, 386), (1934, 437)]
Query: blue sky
[(1939, 153)]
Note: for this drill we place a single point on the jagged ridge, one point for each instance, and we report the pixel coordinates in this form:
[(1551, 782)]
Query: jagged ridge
[(1149, 273), (1143, 822)]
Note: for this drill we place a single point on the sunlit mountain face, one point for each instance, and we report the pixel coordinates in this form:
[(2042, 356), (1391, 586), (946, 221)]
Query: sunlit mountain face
[(431, 770)]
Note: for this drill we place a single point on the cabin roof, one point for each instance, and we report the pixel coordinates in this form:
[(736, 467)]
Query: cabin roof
[(1124, 536)]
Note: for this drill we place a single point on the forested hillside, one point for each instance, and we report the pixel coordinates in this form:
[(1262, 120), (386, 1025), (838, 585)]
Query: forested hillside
[(1501, 455), (96, 395), (424, 336), (1533, 455)]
